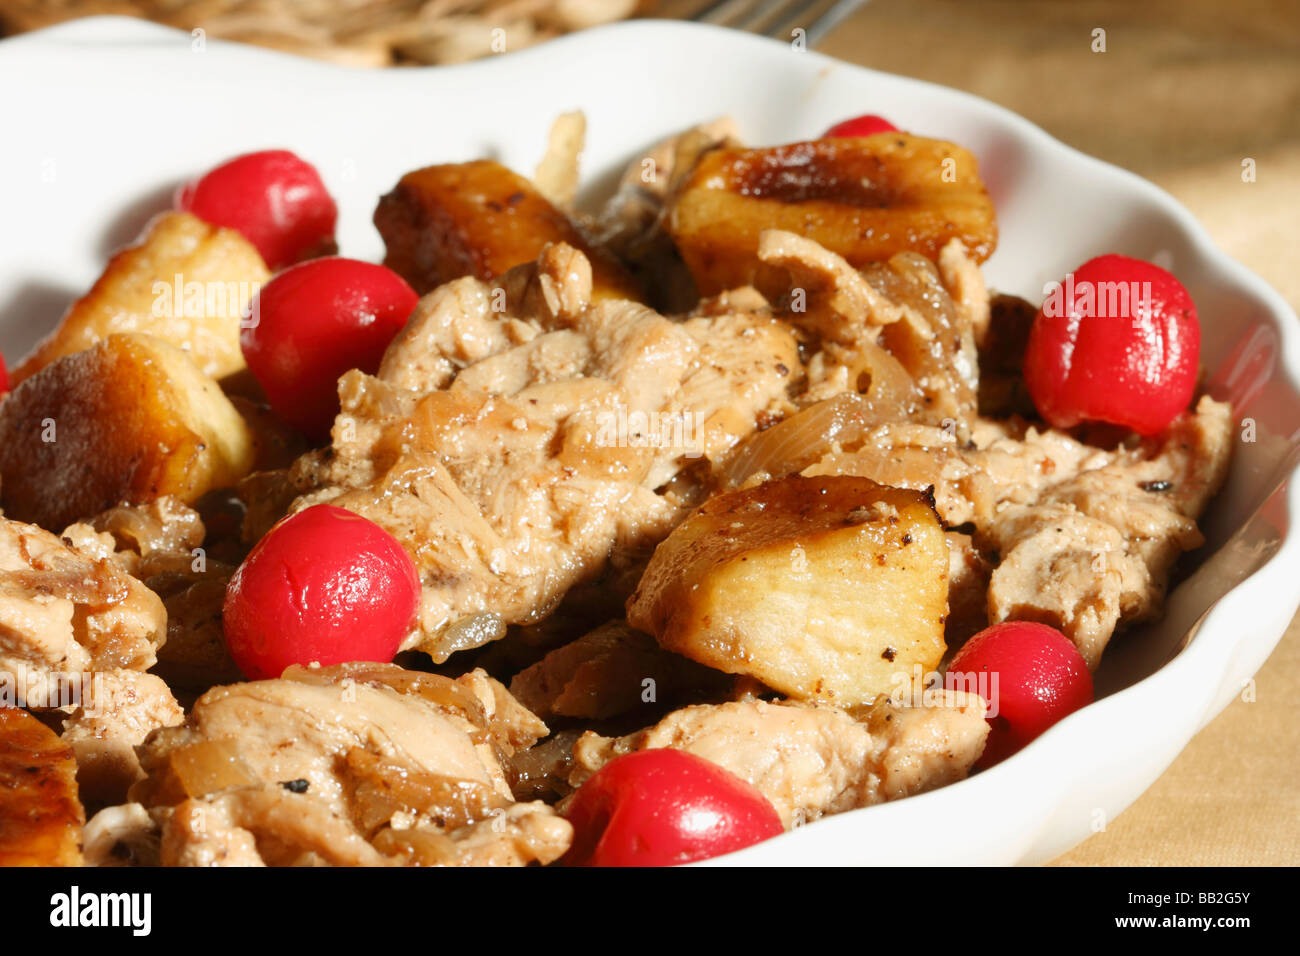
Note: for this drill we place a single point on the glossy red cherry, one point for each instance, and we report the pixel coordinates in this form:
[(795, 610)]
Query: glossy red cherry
[(1117, 342), (312, 323), (1030, 675), (866, 125), (324, 585), (662, 808), (274, 198)]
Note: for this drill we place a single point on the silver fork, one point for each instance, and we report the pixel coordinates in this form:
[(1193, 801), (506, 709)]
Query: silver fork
[(778, 19)]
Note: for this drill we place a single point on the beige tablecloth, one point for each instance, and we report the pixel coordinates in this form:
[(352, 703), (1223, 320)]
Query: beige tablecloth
[(1185, 90)]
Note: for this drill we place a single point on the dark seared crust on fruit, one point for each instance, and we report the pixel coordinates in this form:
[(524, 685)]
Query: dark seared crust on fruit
[(40, 815), (479, 219), (865, 199), (127, 421)]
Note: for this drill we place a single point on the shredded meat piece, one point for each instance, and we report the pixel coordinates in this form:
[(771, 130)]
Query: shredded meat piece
[(512, 456), (556, 177), (162, 543), (1094, 550), (358, 764), (143, 539), (62, 611), (962, 278), (837, 302), (812, 760)]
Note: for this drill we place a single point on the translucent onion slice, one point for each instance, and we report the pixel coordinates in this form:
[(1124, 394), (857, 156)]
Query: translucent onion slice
[(804, 437)]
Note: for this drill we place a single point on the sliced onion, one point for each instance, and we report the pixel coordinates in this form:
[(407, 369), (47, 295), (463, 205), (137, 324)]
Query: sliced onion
[(804, 437), (210, 766)]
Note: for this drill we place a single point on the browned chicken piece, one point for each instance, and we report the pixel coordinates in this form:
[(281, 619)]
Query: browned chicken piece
[(928, 746), (64, 612), (810, 760), (964, 283), (1094, 550), (834, 299), (968, 482), (582, 420), (144, 540), (865, 199), (744, 364), (40, 813), (161, 543), (125, 708), (821, 588), (358, 764), (479, 219), (81, 631), (131, 419), (186, 282), (611, 671), (905, 306)]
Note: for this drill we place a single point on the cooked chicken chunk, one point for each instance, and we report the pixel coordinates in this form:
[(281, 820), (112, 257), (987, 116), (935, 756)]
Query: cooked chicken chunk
[(163, 544), (513, 455), (62, 611), (361, 764), (1095, 549), (1084, 541), (148, 539), (79, 632), (836, 302), (811, 760)]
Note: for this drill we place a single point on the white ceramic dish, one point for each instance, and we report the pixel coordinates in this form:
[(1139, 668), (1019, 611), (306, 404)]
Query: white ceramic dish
[(102, 117)]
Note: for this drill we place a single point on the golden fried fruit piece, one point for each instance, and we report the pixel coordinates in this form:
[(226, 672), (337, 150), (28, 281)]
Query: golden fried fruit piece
[(822, 588), (479, 219), (866, 199), (127, 421), (40, 815), (185, 282)]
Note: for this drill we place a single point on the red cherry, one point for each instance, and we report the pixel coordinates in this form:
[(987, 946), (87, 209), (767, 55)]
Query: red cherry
[(274, 198), (1118, 342), (315, 321), (1030, 675), (662, 808), (866, 125), (323, 585)]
